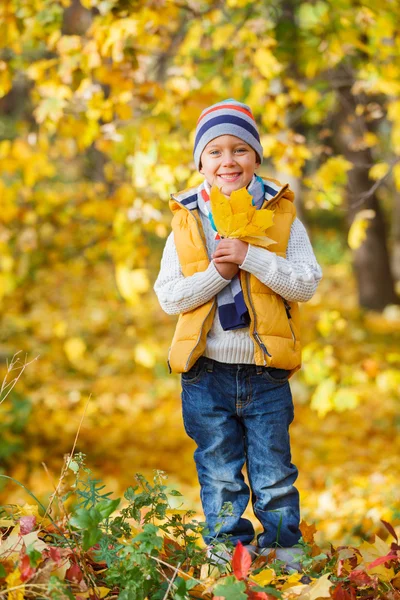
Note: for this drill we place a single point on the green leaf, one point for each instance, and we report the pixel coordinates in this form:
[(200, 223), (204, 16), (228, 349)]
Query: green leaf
[(148, 538), (3, 572), (107, 507), (175, 493), (182, 587), (34, 555), (91, 537), (73, 465), (85, 519), (231, 589), (58, 590)]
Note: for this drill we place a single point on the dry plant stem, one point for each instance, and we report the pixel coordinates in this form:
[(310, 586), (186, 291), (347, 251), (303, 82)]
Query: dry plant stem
[(42, 586), (56, 493), (163, 562), (67, 463), (11, 367), (171, 582)]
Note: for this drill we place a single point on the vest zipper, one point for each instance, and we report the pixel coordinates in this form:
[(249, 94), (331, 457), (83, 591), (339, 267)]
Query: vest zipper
[(288, 308), (255, 333), (212, 306)]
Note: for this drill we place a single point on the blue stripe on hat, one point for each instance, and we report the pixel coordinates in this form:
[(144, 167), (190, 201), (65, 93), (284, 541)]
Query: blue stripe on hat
[(220, 120)]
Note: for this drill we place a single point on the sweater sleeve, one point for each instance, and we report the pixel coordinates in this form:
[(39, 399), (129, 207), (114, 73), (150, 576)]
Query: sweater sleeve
[(295, 277), (179, 294)]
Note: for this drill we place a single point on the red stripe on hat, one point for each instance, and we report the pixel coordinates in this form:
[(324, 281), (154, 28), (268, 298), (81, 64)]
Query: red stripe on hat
[(222, 106)]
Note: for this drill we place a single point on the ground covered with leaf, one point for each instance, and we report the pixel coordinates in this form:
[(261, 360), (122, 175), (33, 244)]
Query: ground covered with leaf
[(87, 545)]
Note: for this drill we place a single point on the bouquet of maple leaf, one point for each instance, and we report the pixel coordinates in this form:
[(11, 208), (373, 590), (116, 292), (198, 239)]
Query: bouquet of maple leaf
[(237, 217)]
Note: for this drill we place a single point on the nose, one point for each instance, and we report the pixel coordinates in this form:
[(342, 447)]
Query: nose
[(228, 159)]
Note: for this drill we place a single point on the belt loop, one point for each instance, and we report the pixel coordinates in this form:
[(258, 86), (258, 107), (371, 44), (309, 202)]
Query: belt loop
[(258, 369), (209, 365)]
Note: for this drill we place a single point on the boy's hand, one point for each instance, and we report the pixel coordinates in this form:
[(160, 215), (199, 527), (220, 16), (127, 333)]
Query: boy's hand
[(227, 270), (230, 251)]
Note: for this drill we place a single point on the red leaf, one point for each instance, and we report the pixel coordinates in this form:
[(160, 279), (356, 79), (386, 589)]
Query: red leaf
[(259, 596), (339, 593), (74, 573), (241, 561), (27, 524), (55, 554), (382, 559), (390, 529), (25, 568), (360, 577)]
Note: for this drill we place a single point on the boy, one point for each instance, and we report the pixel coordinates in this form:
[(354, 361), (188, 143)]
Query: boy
[(237, 340)]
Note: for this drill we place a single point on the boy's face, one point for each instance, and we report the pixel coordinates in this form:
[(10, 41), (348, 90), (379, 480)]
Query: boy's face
[(228, 162)]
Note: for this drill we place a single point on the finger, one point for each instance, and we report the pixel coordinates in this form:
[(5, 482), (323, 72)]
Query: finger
[(222, 251), (223, 259)]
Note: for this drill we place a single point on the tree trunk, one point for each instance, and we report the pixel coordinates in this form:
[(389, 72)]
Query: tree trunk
[(396, 237), (371, 261)]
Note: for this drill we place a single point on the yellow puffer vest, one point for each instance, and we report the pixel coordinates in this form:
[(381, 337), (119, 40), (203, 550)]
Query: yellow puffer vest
[(274, 322)]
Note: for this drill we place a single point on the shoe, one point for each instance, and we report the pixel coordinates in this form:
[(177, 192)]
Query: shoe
[(252, 550), (224, 556), (286, 555), (219, 557)]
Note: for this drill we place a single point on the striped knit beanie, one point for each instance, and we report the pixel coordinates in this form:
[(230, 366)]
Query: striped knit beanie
[(228, 117)]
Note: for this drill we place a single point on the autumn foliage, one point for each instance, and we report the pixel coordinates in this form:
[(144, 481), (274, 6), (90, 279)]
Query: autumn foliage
[(98, 547)]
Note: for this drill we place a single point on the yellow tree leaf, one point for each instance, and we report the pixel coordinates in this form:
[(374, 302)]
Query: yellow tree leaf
[(396, 176), (358, 229), (144, 356), (131, 283), (378, 171), (74, 349), (322, 398), (345, 399), (266, 63)]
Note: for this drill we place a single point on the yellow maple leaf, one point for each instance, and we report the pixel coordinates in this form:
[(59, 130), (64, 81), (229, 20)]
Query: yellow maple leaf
[(292, 583), (15, 586), (315, 590), (308, 531), (370, 552), (265, 577), (236, 217), (101, 592)]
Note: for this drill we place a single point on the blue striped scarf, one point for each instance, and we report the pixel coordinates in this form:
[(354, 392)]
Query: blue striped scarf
[(232, 310)]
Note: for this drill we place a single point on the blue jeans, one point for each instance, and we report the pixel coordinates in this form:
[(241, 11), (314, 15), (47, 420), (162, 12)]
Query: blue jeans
[(240, 413)]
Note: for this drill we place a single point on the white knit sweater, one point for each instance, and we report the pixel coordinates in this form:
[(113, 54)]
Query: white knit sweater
[(295, 278)]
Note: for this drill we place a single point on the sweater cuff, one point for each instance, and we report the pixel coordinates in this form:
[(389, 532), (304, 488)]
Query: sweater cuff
[(257, 260), (212, 282)]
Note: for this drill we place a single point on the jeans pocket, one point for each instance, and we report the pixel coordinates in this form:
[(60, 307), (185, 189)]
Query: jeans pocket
[(194, 374), (276, 376)]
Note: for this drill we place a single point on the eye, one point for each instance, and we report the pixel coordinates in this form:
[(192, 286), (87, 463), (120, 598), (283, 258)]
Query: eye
[(241, 149), (214, 151)]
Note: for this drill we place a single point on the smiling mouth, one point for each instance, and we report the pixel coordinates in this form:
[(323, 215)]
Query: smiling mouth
[(229, 176)]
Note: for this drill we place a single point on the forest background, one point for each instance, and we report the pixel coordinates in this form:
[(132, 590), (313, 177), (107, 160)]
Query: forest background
[(99, 102)]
